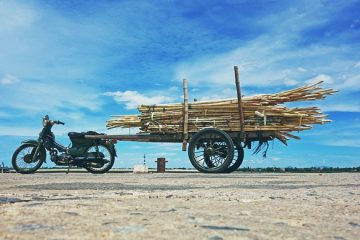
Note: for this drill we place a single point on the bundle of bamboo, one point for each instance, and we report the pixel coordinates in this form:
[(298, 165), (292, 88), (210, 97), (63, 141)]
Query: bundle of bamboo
[(260, 113)]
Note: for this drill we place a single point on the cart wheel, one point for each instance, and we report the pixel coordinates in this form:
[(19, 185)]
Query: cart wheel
[(238, 158), (235, 163), (211, 150)]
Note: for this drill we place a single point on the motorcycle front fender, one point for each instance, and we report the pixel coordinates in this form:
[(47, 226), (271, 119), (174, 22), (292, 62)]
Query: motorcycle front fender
[(31, 141)]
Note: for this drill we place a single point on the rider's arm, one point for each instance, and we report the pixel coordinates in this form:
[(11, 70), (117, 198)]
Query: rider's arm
[(58, 122)]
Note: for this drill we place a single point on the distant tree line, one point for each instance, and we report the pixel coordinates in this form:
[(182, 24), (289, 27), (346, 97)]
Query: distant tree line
[(289, 169), (244, 169), (301, 170)]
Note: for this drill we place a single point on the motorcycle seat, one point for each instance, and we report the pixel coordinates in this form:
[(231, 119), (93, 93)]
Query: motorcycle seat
[(81, 135), (76, 134)]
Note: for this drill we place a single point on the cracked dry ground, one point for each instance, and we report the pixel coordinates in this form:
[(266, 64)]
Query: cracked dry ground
[(179, 206)]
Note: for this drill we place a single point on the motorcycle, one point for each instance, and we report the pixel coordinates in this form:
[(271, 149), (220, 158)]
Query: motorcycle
[(95, 155)]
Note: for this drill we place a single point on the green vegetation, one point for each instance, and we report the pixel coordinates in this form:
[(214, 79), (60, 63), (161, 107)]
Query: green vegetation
[(301, 170), (245, 169)]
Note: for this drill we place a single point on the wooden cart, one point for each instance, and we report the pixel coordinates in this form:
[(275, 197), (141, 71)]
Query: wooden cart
[(210, 150)]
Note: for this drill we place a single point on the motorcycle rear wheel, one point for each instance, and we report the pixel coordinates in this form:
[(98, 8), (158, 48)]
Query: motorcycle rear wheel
[(108, 155), (21, 159)]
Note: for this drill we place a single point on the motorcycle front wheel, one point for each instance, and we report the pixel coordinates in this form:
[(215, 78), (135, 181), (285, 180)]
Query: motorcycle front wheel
[(22, 159), (105, 154)]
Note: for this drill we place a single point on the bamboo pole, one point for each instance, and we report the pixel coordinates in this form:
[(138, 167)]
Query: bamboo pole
[(186, 116), (226, 114), (240, 109)]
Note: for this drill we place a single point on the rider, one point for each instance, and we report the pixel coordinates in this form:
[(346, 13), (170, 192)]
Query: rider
[(48, 122)]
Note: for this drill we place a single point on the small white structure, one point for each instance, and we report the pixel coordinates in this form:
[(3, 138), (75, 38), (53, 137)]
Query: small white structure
[(140, 169)]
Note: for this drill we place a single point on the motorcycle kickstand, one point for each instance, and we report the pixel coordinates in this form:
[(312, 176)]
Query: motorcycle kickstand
[(68, 168)]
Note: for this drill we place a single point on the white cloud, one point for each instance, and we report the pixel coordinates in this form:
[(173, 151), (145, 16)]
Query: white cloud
[(218, 69), (14, 15), (123, 131), (132, 99), (321, 77), (59, 130), (9, 79), (290, 82), (265, 62), (341, 108), (222, 93), (357, 65), (55, 98), (351, 82), (19, 131), (276, 58), (343, 143), (301, 69), (160, 154), (165, 146), (275, 158)]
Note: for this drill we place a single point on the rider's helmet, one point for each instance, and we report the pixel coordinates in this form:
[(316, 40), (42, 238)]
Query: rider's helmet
[(45, 120)]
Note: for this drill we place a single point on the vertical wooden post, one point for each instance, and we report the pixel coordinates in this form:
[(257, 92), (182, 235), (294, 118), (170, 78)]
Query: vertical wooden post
[(241, 113), (186, 116)]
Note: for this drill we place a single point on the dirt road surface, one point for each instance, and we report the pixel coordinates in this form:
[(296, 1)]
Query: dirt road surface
[(180, 206)]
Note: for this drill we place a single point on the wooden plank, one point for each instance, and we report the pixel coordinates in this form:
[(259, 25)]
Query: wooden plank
[(176, 138)]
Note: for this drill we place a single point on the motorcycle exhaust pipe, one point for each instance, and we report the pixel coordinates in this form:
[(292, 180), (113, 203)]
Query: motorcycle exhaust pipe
[(94, 164)]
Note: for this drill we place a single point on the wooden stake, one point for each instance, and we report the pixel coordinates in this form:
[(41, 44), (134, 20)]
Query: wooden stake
[(186, 116), (241, 113)]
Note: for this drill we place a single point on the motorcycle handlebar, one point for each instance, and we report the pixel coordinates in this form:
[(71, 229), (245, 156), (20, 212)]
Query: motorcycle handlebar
[(59, 122)]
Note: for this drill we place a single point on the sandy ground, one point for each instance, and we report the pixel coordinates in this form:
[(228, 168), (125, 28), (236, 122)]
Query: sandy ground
[(179, 206)]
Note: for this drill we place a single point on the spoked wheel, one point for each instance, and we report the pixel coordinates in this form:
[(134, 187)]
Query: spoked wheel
[(22, 159), (211, 150), (100, 158), (238, 158), (235, 163)]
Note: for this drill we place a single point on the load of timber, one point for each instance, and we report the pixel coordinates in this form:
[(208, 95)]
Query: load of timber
[(264, 112)]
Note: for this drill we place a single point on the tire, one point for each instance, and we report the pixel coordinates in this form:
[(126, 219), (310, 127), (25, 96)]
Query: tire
[(238, 158), (211, 145), (21, 159), (107, 155)]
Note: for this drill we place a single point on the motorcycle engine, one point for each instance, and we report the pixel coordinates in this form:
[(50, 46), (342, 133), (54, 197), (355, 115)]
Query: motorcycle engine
[(53, 155), (62, 159)]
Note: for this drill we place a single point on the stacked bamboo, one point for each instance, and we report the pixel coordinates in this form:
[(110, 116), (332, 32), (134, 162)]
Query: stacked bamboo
[(261, 113)]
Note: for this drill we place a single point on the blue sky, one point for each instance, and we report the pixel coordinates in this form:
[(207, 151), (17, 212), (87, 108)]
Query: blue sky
[(82, 61)]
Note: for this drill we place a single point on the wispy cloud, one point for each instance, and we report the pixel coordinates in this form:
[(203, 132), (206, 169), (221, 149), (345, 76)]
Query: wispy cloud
[(132, 99), (282, 56), (343, 143), (321, 77), (8, 79), (16, 16), (38, 97), (341, 107)]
